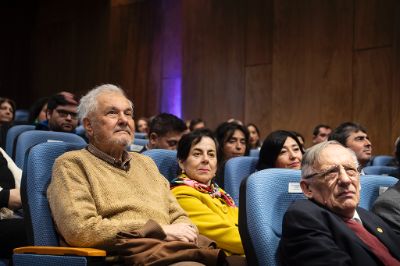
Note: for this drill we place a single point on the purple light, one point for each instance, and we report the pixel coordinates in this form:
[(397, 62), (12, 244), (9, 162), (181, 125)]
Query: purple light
[(172, 96)]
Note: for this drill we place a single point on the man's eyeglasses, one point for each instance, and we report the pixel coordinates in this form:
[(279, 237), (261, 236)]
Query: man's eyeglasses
[(64, 114), (333, 173)]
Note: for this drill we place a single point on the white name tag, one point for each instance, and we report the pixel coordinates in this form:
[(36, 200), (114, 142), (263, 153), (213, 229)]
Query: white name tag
[(294, 187), (382, 189), (54, 140)]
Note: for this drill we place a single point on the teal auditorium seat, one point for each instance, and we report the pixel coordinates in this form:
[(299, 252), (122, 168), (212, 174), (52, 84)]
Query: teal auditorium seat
[(372, 186), (264, 198), (166, 162), (40, 226), (12, 138), (31, 138), (237, 169)]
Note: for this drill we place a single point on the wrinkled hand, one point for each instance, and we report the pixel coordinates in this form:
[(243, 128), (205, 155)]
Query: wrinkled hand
[(181, 232), (14, 201)]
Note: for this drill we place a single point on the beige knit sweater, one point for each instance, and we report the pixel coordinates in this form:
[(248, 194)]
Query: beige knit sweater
[(91, 200)]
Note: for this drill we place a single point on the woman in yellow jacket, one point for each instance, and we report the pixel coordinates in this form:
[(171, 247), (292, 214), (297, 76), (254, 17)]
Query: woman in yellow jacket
[(208, 206)]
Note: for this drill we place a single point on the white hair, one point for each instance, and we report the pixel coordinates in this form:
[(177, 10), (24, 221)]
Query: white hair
[(313, 156), (88, 103)]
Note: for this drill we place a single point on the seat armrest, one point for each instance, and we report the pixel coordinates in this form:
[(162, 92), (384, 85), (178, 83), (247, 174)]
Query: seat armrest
[(48, 250)]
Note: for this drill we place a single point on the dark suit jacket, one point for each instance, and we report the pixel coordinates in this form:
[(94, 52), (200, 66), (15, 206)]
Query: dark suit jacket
[(313, 235), (387, 206)]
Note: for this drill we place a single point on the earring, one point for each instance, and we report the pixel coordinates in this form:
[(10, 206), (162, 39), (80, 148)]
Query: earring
[(183, 172)]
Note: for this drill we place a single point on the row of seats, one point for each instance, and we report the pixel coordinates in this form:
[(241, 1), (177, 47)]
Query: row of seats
[(264, 198)]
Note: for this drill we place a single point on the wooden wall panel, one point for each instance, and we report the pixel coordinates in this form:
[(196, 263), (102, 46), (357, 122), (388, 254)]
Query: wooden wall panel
[(374, 20), (395, 99), (258, 109), (136, 53), (171, 57), (311, 64), (213, 72), (16, 20), (258, 31), (68, 46), (372, 95)]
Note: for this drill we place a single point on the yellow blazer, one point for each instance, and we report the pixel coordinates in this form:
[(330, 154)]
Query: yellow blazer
[(213, 218)]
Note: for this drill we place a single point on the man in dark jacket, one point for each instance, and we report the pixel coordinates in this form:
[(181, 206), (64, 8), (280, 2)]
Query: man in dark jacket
[(328, 228)]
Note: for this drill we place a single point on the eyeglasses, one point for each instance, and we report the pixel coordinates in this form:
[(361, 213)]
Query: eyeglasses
[(64, 114), (332, 174)]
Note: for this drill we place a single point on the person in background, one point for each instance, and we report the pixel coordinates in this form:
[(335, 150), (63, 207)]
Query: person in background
[(387, 206), (7, 115), (7, 110), (280, 149), (12, 227), (254, 136), (209, 207), (328, 228), (355, 137), (321, 133), (61, 113), (301, 140), (196, 124), (233, 141), (142, 125), (37, 113), (165, 132)]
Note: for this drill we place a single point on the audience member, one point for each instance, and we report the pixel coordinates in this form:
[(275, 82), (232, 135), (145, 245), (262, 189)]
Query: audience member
[(196, 124), (281, 149), (165, 132), (234, 120), (37, 113), (7, 115), (301, 140), (12, 229), (254, 136), (209, 207), (321, 133), (387, 206), (355, 137), (329, 228), (233, 141), (61, 113), (7, 111), (142, 125), (102, 190)]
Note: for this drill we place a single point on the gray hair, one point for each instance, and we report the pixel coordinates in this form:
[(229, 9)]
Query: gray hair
[(313, 156), (88, 103)]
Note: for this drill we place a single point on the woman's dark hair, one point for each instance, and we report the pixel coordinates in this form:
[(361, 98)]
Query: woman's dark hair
[(11, 102), (258, 144), (36, 108), (194, 122), (272, 146), (224, 132), (397, 153), (190, 139)]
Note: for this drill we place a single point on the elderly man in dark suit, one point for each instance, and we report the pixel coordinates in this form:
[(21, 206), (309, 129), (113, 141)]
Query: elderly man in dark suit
[(328, 228)]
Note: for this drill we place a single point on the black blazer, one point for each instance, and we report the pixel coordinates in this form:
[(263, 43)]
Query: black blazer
[(313, 235)]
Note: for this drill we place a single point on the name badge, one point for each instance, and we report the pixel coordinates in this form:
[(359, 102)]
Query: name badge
[(294, 187)]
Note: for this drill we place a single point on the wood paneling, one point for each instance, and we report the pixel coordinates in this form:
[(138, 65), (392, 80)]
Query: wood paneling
[(213, 72), (372, 95), (258, 109), (258, 31), (279, 63), (373, 24), (395, 99), (311, 64), (135, 47)]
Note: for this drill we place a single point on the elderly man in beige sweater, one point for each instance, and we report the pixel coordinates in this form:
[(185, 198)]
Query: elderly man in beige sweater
[(101, 190)]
